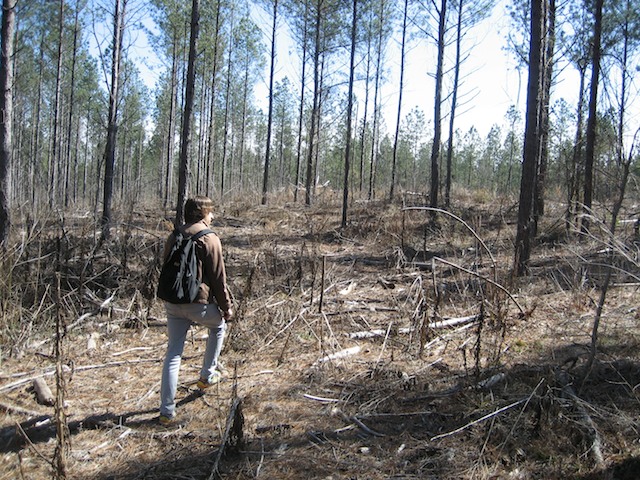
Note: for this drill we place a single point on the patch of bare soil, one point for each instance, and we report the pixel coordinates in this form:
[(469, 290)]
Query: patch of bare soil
[(388, 350)]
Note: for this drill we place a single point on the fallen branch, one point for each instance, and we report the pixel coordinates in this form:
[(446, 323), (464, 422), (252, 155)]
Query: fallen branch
[(450, 322), (455, 217), (320, 399), (20, 382), (592, 431), (232, 422), (337, 355), (20, 430), (354, 420), (7, 407), (80, 319), (135, 349), (479, 420), (476, 274)]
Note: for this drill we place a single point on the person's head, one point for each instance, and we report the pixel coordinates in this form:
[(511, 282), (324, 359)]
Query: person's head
[(197, 208)]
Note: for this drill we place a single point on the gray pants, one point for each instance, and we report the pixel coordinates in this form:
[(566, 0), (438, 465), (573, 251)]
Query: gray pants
[(179, 320)]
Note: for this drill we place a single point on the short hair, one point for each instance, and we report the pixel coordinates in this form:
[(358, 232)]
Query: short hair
[(197, 208)]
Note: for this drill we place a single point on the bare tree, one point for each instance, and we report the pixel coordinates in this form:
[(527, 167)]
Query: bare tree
[(548, 37), (6, 115), (265, 181), (526, 219), (305, 34), (209, 160), (315, 111), (381, 38), (591, 120), (74, 54), (54, 156), (400, 88), (347, 152), (185, 136), (437, 109), (469, 14), (120, 8)]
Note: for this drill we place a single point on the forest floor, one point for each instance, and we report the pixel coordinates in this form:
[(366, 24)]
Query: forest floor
[(337, 366)]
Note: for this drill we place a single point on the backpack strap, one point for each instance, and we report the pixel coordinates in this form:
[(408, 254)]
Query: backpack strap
[(201, 233)]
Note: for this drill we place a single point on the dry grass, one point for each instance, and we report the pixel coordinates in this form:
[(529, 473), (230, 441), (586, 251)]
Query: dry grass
[(498, 398)]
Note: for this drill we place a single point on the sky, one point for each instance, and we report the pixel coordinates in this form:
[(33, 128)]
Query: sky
[(492, 83)]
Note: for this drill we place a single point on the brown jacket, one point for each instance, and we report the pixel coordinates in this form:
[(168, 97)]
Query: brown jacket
[(210, 266)]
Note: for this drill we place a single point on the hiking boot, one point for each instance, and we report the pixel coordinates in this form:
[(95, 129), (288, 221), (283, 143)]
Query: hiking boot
[(205, 383), (167, 421)]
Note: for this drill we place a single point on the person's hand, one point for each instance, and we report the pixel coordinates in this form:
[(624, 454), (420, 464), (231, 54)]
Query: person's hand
[(228, 315)]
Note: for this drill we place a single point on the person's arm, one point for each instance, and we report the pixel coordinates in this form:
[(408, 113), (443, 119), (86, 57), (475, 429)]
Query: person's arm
[(215, 272)]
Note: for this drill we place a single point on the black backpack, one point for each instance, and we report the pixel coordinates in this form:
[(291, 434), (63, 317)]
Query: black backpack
[(179, 281)]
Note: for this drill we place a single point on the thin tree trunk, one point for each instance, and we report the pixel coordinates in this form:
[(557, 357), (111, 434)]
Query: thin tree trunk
[(525, 229), (55, 157), (241, 132), (301, 111), (6, 116), (200, 178), (399, 112), (171, 127), (71, 107), (225, 139), (549, 37), (315, 108), (212, 112), (112, 127), (591, 121), (363, 135), (347, 152), (437, 110), (376, 108), (35, 155), (454, 105), (185, 137), (267, 155), (577, 158), (624, 67)]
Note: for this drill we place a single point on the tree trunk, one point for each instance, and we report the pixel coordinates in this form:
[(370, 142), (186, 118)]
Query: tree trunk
[(243, 126), (168, 176), (6, 115), (185, 136), (210, 161), (437, 115), (454, 104), (576, 167), (301, 111), (376, 108), (400, 88), (347, 150), (55, 157), (363, 135), (112, 126), (526, 227), (549, 36), (267, 155), (315, 108), (227, 107), (71, 111), (624, 79), (591, 120)]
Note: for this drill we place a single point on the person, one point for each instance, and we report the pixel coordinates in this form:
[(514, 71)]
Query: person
[(212, 308)]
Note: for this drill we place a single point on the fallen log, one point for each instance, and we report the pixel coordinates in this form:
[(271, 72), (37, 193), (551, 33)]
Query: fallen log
[(43, 392)]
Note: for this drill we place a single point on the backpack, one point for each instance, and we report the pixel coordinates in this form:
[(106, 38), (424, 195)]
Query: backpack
[(179, 281)]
